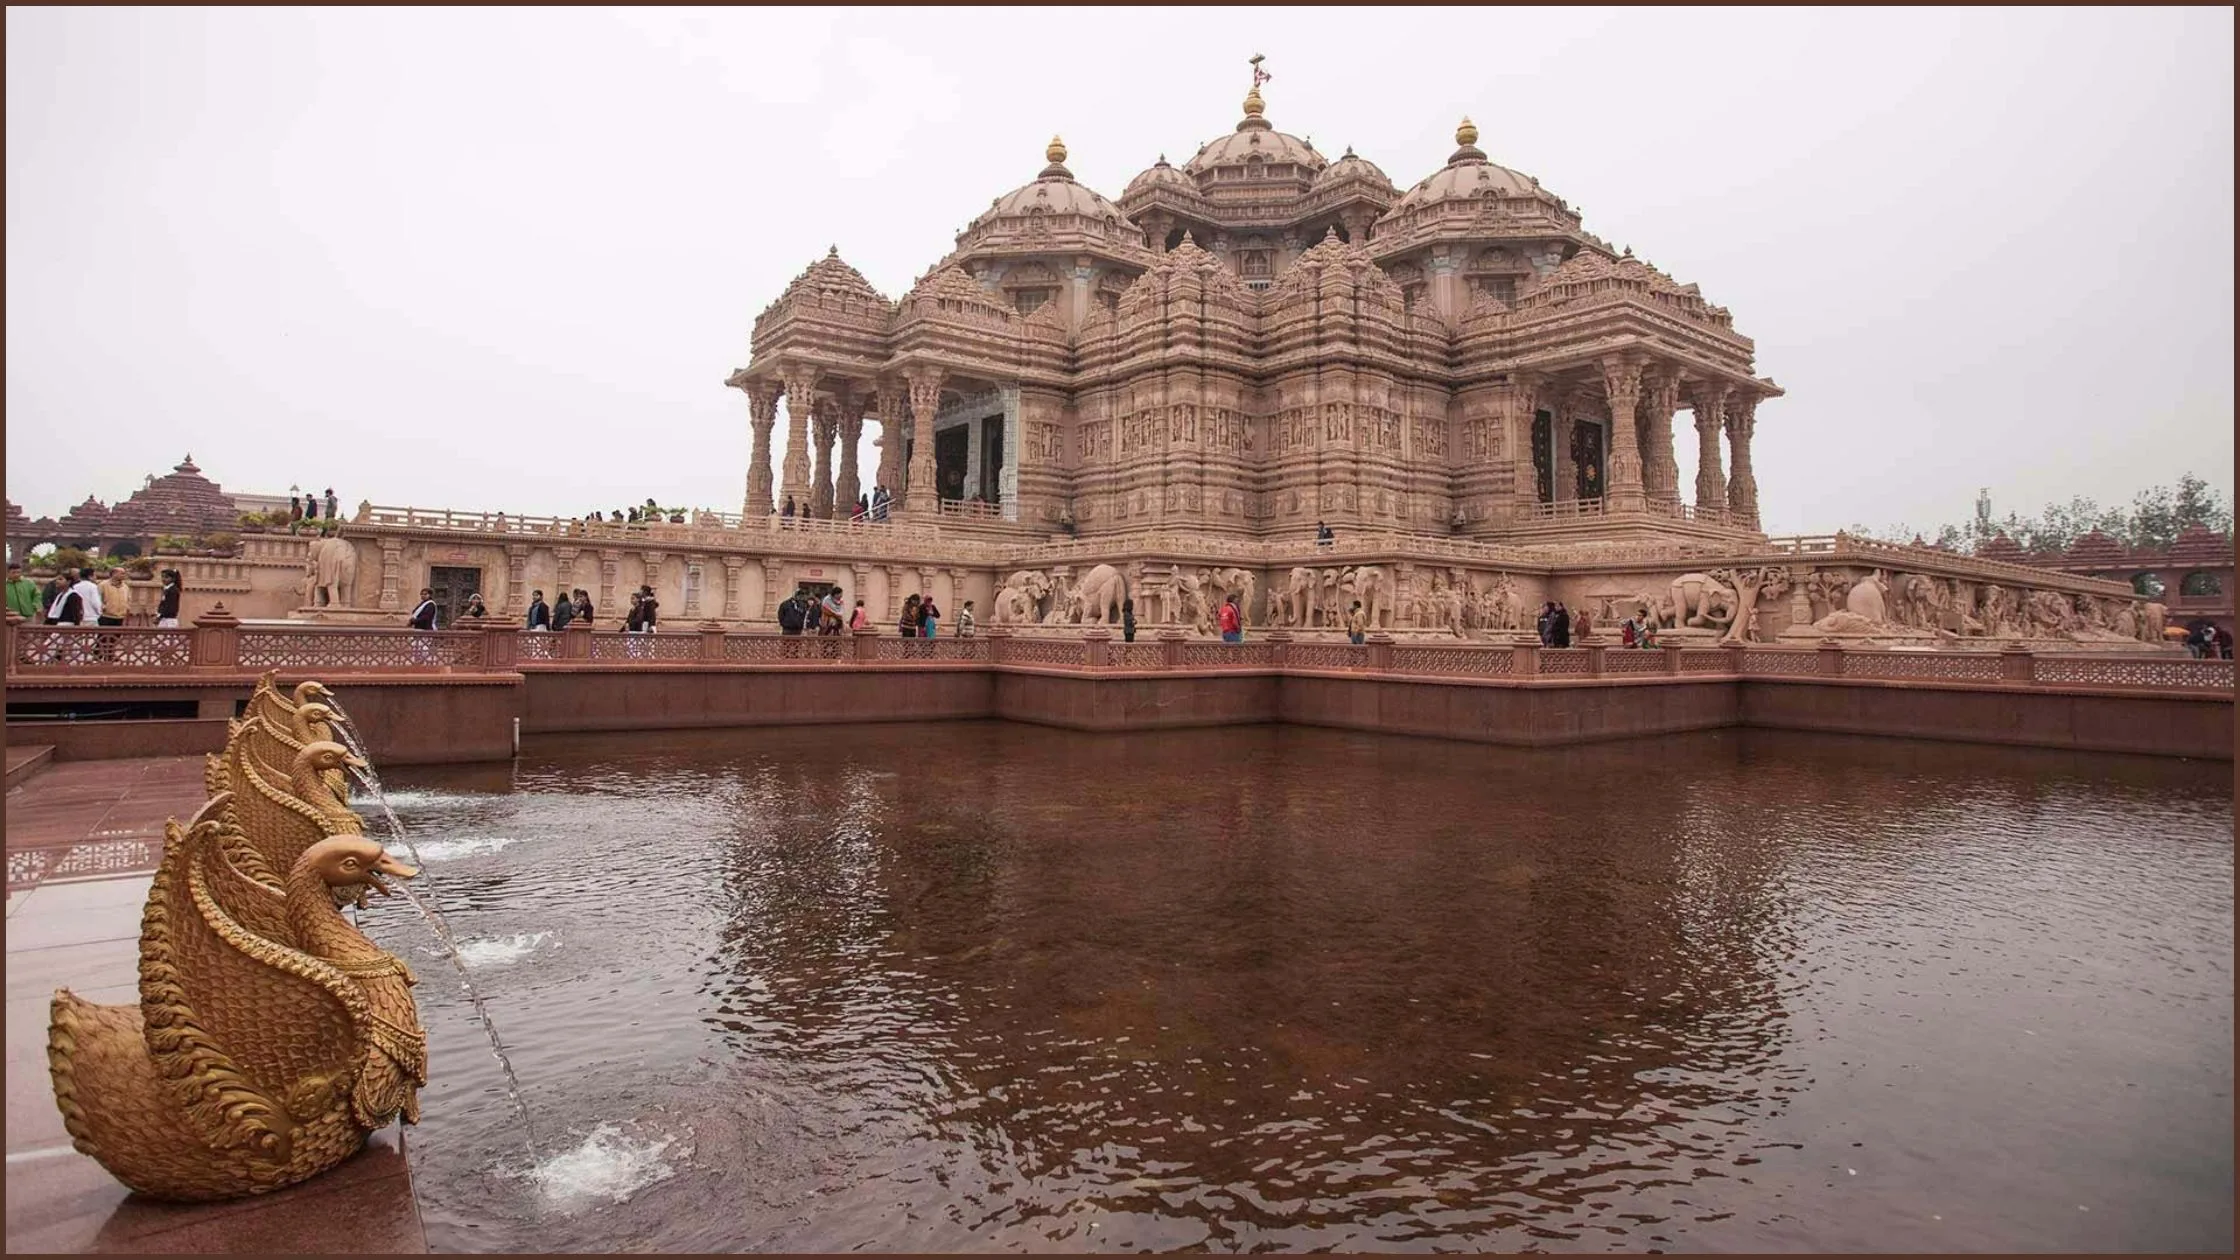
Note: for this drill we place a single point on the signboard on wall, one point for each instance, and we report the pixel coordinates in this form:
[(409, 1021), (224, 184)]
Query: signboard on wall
[(812, 573)]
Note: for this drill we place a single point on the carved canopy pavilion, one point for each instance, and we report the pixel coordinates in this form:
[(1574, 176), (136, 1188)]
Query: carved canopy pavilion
[(1260, 339)]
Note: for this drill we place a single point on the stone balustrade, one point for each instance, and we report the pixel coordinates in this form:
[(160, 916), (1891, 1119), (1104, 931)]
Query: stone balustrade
[(219, 643)]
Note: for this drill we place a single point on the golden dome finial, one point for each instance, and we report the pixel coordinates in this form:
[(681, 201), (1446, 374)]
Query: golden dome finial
[(1253, 105), (1467, 133), (1057, 150)]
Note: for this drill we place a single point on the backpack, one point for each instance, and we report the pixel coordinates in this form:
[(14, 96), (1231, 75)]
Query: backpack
[(789, 616)]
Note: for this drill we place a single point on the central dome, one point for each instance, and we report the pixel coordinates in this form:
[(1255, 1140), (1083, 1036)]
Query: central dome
[(1255, 139)]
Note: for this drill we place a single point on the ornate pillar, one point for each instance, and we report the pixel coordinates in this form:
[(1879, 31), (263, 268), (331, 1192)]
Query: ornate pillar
[(955, 607), (608, 560), (861, 573), (801, 394), (925, 587), (1660, 471), (732, 567), (517, 579), (653, 573), (850, 486), (762, 413), (925, 401), (693, 575), (567, 579), (1621, 381), (392, 574), (1742, 486), (820, 494), (894, 592), (891, 402), (1711, 481)]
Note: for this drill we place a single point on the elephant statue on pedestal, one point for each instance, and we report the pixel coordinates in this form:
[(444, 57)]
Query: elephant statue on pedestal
[(1099, 595), (333, 566)]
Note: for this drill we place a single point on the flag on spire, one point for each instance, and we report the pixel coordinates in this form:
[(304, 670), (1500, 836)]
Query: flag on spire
[(1259, 76)]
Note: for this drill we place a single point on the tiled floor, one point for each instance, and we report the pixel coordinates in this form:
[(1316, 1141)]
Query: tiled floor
[(86, 818), (84, 935)]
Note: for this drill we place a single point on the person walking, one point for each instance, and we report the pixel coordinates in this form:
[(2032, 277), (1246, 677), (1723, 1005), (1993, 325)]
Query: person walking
[(792, 614), (909, 621), (964, 621), (635, 622), (929, 618), (1322, 535), (785, 514), (583, 606), (1559, 626), (167, 603), (1232, 620), (1546, 624), (834, 611), (1357, 625), (651, 607), (23, 594), (540, 613), (859, 620), (66, 608), (332, 503), (1127, 619), (563, 612)]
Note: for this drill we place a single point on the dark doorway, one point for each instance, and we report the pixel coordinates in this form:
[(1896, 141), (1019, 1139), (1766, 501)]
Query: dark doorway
[(950, 446), (1586, 457), (1544, 455), (452, 586), (991, 459)]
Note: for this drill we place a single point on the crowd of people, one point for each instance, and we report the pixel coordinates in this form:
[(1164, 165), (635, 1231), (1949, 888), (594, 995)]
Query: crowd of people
[(73, 598), (2205, 640), (306, 506), (867, 507), (920, 618)]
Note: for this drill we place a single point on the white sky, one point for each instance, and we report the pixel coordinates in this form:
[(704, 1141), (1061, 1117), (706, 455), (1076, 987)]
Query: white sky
[(504, 259)]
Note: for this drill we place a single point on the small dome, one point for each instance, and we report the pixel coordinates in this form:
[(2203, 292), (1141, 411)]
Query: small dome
[(1352, 166), (1161, 175), (1053, 192), (1255, 138), (1468, 174)]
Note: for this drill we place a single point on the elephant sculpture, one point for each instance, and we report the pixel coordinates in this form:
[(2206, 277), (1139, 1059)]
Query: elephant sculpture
[(1699, 599), (1240, 583), (1865, 599), (333, 565), (1373, 587), (1099, 595), (1021, 594), (1293, 604)]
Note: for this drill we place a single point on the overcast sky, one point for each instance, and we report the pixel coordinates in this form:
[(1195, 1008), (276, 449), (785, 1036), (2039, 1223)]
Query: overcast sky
[(504, 259)]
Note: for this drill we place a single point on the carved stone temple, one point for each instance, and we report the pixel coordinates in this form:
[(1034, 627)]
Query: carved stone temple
[(1259, 339), (1177, 389)]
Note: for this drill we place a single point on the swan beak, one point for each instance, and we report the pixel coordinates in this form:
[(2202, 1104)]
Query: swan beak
[(355, 762), (387, 865)]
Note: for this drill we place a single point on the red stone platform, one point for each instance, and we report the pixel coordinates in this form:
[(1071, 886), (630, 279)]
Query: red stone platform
[(85, 837)]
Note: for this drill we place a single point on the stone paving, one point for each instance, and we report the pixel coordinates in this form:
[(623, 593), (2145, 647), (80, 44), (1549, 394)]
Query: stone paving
[(95, 830)]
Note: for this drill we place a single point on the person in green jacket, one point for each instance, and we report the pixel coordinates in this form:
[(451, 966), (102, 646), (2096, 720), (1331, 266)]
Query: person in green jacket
[(23, 594)]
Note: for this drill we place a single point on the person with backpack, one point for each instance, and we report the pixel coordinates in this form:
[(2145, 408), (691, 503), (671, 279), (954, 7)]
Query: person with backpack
[(792, 615)]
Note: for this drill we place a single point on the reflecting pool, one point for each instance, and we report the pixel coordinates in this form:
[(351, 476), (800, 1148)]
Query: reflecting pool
[(973, 986)]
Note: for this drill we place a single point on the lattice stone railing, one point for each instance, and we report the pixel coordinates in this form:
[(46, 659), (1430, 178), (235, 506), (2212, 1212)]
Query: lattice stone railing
[(355, 649), (42, 654), (64, 647)]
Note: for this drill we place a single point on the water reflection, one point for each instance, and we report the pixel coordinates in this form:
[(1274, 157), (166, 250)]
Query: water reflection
[(973, 985)]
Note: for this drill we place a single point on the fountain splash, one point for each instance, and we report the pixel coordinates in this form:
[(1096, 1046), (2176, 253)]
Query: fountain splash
[(606, 1165), (369, 779)]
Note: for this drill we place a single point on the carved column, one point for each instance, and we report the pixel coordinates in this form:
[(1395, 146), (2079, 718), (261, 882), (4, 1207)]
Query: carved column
[(850, 486), (694, 574), (925, 588), (392, 574), (956, 594), (801, 394), (653, 575), (820, 494), (925, 400), (1660, 471), (732, 567), (1621, 380), (1742, 486), (517, 579), (891, 402), (861, 590), (762, 413), (1711, 480), (608, 560), (894, 592)]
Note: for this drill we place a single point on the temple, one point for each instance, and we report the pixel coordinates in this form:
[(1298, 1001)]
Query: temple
[(1258, 340)]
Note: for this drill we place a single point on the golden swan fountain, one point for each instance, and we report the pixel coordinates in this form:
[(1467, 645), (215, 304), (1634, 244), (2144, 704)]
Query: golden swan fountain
[(271, 1036)]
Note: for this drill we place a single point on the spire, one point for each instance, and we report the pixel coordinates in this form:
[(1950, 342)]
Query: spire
[(1466, 144), (1056, 152), (1254, 107)]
